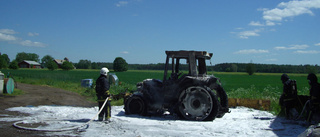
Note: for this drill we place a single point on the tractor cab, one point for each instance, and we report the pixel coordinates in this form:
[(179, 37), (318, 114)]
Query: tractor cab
[(195, 63)]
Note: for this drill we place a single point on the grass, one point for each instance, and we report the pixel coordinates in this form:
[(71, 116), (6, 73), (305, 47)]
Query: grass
[(15, 92), (236, 84), (260, 84)]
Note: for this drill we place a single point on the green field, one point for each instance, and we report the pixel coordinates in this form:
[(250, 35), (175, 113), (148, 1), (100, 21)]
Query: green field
[(237, 85)]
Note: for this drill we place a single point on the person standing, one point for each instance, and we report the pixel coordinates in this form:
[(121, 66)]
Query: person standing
[(102, 92), (314, 105), (288, 98)]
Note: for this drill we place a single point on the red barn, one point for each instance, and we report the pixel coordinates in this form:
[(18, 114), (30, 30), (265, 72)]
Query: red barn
[(29, 64)]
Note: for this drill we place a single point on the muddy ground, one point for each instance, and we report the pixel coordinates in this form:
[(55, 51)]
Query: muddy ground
[(35, 95)]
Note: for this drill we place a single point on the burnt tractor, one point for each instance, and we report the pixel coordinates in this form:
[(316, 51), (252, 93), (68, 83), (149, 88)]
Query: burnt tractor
[(192, 96)]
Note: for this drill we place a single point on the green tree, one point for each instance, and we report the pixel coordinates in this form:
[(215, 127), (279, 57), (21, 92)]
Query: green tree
[(119, 64), (33, 57), (3, 63), (13, 65), (67, 65), (46, 60), (21, 56), (251, 68), (311, 69), (228, 70), (27, 56), (6, 58), (234, 68), (84, 64), (94, 65), (52, 65)]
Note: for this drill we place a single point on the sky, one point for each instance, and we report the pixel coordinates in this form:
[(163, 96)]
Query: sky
[(140, 31)]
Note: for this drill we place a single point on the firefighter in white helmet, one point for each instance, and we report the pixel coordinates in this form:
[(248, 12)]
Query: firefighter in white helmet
[(102, 92)]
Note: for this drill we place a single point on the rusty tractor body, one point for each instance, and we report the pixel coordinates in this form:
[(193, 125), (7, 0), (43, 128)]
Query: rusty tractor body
[(192, 96)]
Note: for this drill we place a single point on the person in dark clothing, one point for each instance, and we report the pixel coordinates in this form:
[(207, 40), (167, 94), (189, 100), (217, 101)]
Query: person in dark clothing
[(314, 105), (102, 92), (288, 98)]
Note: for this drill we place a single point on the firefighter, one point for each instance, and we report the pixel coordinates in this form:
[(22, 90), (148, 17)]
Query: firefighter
[(102, 92), (314, 101), (288, 98)]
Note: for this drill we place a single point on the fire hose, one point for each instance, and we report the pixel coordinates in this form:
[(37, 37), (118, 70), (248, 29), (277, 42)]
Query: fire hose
[(304, 107), (86, 125)]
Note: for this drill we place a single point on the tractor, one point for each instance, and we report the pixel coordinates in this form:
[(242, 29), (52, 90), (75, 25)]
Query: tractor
[(190, 96)]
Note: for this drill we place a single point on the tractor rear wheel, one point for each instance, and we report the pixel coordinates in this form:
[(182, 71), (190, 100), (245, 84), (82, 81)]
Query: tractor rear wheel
[(135, 105), (198, 103)]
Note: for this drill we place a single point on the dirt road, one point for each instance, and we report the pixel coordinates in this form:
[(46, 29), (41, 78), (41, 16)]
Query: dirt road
[(34, 96)]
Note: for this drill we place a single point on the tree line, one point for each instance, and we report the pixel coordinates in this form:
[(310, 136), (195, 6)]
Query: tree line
[(47, 61), (239, 67), (266, 68), (120, 64)]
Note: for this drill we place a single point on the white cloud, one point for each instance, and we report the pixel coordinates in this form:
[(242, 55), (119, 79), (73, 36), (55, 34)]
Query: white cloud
[(247, 34), (290, 9), (270, 23), (239, 28), (125, 52), (271, 60), (8, 35), (280, 48), (257, 23), (281, 12), (121, 3), (5, 37), (318, 44), (307, 52), (7, 31), (31, 44), (251, 51), (292, 47), (33, 34)]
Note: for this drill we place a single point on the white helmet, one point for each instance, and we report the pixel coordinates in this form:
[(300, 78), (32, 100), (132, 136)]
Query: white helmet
[(104, 71)]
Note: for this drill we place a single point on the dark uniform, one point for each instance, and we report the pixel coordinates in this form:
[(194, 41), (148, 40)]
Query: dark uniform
[(102, 91), (288, 98), (314, 106)]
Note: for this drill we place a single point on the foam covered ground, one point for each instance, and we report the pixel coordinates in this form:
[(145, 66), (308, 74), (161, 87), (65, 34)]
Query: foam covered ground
[(240, 122)]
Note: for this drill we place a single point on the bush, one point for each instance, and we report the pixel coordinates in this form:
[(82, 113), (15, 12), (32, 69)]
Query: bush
[(13, 65), (67, 65), (46, 60), (52, 65), (251, 68), (119, 64)]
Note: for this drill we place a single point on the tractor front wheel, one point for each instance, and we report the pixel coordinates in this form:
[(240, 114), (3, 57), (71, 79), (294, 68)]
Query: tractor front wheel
[(135, 105)]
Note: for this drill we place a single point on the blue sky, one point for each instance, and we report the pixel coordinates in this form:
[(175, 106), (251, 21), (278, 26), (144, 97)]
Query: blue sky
[(140, 31)]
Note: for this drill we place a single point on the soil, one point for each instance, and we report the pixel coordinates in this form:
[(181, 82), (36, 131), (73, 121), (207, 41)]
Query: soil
[(35, 95)]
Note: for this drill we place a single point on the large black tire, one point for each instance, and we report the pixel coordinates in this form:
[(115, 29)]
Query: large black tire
[(223, 100), (135, 105), (197, 103), (222, 96)]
